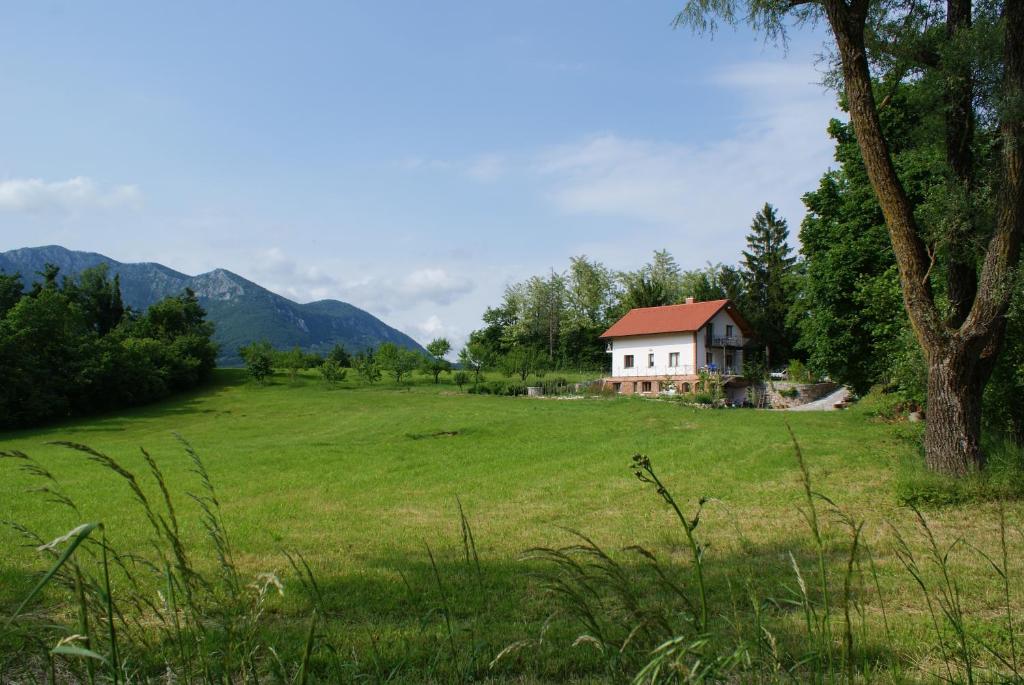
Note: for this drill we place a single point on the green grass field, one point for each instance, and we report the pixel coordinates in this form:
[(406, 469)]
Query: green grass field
[(360, 480)]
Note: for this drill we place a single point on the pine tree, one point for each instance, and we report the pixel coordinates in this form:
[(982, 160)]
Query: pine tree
[(767, 272)]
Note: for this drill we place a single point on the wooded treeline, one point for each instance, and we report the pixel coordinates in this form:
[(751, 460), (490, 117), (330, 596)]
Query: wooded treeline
[(71, 347), (560, 316)]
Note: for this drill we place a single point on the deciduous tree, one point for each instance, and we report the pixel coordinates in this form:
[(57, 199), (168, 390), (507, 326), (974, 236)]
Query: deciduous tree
[(979, 85)]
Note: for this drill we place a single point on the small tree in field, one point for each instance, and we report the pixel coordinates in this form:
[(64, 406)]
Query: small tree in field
[(293, 361), (522, 361), (340, 355), (399, 361), (461, 378), (259, 360), (365, 364), (436, 364), (475, 356), (332, 372)]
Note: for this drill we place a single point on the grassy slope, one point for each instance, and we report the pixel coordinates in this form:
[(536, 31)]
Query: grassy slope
[(353, 479)]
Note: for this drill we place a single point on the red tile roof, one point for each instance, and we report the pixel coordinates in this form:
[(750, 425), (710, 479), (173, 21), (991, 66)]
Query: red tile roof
[(674, 318)]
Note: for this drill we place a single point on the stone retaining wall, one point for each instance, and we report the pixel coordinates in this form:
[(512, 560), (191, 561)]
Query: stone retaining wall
[(806, 392)]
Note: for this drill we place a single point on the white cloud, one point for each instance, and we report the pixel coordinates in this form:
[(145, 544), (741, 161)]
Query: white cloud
[(696, 194), (486, 168), (434, 285), (35, 195), (381, 293)]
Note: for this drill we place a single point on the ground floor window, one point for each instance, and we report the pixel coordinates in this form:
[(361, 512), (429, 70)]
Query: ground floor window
[(617, 387), (686, 387), (645, 386), (710, 358), (728, 360)]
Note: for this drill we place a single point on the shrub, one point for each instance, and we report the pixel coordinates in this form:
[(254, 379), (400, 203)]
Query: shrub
[(790, 393), (703, 398), (797, 372), (460, 378)]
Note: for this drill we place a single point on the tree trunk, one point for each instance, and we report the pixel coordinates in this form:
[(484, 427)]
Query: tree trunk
[(952, 436)]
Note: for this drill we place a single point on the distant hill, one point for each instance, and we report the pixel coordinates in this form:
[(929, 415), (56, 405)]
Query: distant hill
[(241, 310)]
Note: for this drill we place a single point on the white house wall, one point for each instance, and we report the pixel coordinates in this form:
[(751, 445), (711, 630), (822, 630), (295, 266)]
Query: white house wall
[(720, 321), (660, 345)]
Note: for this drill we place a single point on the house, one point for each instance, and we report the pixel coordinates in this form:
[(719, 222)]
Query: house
[(655, 347)]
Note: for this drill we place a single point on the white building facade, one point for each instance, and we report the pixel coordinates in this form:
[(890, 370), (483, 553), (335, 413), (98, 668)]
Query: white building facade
[(649, 357)]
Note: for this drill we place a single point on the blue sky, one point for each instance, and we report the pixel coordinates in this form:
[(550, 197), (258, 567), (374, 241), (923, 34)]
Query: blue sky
[(411, 158)]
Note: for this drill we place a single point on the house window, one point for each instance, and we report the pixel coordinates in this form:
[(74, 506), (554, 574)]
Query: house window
[(709, 358), (645, 386), (728, 331), (627, 361), (650, 360), (617, 387), (686, 387), (673, 359), (728, 360)]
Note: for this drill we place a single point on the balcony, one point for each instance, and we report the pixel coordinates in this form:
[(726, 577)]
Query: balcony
[(654, 371), (725, 341)]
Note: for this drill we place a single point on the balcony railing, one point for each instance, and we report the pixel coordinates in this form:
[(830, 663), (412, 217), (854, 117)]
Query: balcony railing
[(654, 371), (727, 341)]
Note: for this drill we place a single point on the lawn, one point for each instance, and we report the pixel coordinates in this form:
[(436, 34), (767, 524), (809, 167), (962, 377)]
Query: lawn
[(361, 480)]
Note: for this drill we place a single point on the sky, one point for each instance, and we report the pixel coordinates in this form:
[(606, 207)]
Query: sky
[(411, 158)]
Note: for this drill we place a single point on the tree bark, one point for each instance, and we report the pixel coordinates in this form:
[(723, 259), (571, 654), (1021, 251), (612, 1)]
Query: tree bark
[(952, 437)]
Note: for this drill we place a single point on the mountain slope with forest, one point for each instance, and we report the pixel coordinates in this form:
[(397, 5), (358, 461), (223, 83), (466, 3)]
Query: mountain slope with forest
[(242, 311)]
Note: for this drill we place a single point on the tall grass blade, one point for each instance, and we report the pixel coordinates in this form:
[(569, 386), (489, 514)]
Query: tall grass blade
[(76, 536)]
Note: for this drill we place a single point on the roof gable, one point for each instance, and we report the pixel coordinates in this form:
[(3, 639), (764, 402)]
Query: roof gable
[(673, 318)]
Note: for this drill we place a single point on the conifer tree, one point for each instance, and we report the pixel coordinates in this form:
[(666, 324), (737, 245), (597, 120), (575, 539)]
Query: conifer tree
[(767, 272)]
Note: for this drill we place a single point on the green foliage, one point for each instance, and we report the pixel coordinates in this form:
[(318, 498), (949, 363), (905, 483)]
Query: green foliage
[(435, 363), (460, 378), (399, 361), (11, 290), (521, 362), (292, 361), (259, 358), (769, 280), (332, 372), (340, 356), (73, 349), (797, 372), (476, 356), (365, 364)]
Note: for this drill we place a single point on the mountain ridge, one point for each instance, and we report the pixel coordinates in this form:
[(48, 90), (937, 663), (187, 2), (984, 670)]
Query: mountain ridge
[(242, 310)]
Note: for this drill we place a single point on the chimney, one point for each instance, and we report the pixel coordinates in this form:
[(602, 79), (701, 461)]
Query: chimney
[(689, 300)]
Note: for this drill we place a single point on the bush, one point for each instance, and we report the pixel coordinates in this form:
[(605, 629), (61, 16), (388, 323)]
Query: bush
[(797, 372), (703, 398), (460, 378), (790, 393)]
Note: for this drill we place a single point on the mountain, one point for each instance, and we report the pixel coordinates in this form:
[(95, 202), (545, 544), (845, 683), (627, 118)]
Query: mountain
[(241, 310)]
